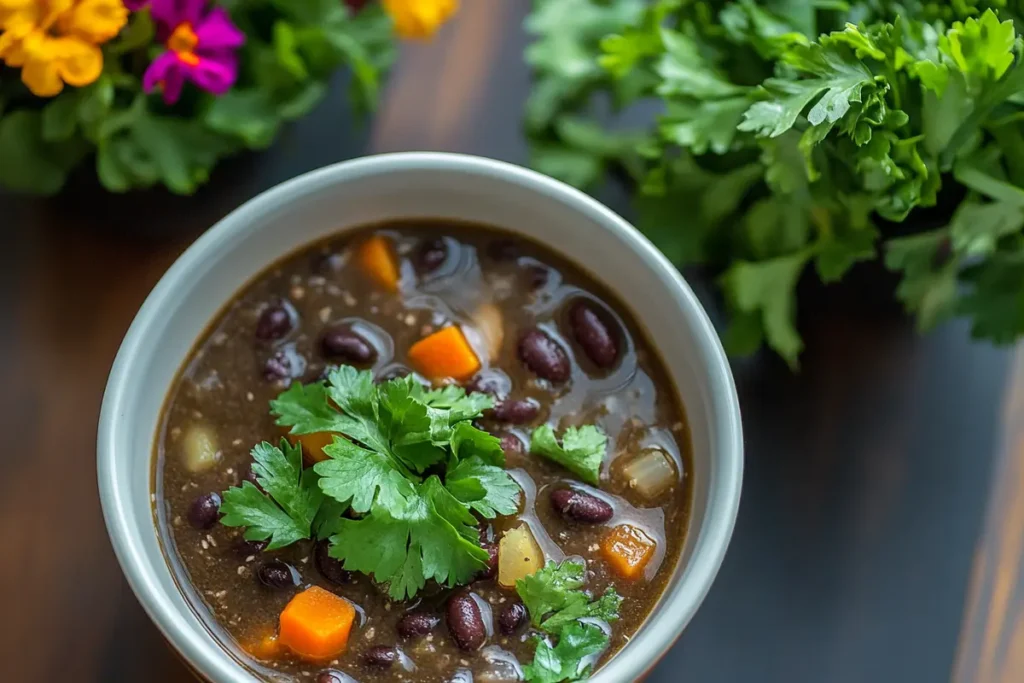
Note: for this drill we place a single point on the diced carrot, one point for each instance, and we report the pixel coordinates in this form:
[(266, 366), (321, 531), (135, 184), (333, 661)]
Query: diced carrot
[(378, 261), (265, 647), (445, 353), (313, 445), (628, 550), (316, 623)]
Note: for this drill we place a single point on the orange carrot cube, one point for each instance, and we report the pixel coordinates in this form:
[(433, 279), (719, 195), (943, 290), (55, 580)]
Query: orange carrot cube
[(627, 550), (445, 353), (315, 625), (378, 261), (313, 445)]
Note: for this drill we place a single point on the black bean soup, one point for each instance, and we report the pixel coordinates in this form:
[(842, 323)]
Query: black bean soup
[(417, 307)]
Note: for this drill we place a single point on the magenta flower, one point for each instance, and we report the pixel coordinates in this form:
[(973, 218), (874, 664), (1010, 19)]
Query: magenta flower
[(200, 48), (135, 5)]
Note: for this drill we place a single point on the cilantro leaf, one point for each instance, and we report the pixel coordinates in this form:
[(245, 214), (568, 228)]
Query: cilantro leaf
[(605, 608), (305, 409), (487, 489), (460, 405), (285, 513), (569, 659), (359, 476), (469, 442), (551, 588), (432, 536), (581, 451)]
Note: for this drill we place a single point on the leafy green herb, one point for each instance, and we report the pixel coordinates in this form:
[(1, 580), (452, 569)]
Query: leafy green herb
[(794, 136), (412, 527), (557, 604), (285, 513), (581, 451)]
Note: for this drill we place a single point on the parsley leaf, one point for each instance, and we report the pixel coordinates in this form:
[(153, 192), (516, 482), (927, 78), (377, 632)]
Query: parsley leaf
[(359, 476), (551, 588), (581, 451), (286, 514)]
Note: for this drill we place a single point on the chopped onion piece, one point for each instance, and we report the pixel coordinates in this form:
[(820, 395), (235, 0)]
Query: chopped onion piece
[(518, 556), (200, 448), (651, 473), (490, 323)]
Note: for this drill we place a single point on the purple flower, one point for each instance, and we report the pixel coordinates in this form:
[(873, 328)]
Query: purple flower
[(200, 48), (135, 5)]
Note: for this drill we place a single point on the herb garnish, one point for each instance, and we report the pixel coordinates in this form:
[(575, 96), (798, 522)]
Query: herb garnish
[(581, 451), (412, 525), (559, 607)]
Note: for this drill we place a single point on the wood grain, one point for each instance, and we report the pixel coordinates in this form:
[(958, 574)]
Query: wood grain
[(992, 640)]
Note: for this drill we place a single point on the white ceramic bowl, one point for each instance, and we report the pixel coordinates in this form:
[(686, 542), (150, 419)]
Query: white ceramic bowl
[(351, 194)]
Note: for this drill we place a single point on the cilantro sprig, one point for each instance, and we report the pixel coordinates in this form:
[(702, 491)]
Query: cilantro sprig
[(407, 460), (569, 618)]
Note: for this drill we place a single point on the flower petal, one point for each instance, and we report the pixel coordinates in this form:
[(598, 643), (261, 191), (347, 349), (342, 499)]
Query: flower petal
[(158, 70), (170, 13), (419, 18), (215, 73), (96, 20), (217, 32), (41, 77), (135, 5), (173, 84), (80, 63)]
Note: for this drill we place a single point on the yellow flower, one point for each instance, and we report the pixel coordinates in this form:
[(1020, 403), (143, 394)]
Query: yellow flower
[(56, 42), (419, 18)]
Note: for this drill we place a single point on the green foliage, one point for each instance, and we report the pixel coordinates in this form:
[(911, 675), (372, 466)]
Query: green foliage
[(291, 51), (581, 451), (796, 135)]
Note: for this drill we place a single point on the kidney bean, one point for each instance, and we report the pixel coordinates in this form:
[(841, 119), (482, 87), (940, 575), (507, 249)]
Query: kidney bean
[(278, 366), (581, 507), (277, 574), (591, 332), (380, 656), (275, 322), (512, 618), (430, 256), (331, 568), (544, 356), (516, 412), (491, 570), (417, 624), (510, 443), (204, 511), (331, 676), (465, 623), (345, 344)]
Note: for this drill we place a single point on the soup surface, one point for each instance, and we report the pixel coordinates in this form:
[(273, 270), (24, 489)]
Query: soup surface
[(410, 547)]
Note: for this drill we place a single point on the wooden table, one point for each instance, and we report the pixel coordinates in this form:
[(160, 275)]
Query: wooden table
[(882, 525)]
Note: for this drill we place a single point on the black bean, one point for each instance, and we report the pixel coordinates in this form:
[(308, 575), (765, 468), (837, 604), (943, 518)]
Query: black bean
[(277, 574), (591, 332), (491, 382), (581, 507), (510, 443), (417, 624), (275, 322), (544, 356), (491, 570), (430, 256), (381, 656), (204, 511), (246, 548), (512, 618), (278, 366), (331, 568), (516, 412), (345, 344), (465, 623), (331, 676)]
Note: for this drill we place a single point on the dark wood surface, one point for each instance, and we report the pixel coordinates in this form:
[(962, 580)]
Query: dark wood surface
[(882, 527)]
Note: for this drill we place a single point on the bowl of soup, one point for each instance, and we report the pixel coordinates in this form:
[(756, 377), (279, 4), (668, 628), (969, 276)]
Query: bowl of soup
[(420, 417)]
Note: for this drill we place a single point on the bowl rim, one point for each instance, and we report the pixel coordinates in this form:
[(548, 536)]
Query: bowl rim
[(653, 640)]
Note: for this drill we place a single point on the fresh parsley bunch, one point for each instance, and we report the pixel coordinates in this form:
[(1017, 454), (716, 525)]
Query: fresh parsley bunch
[(802, 136), (291, 50), (569, 619), (397, 495)]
